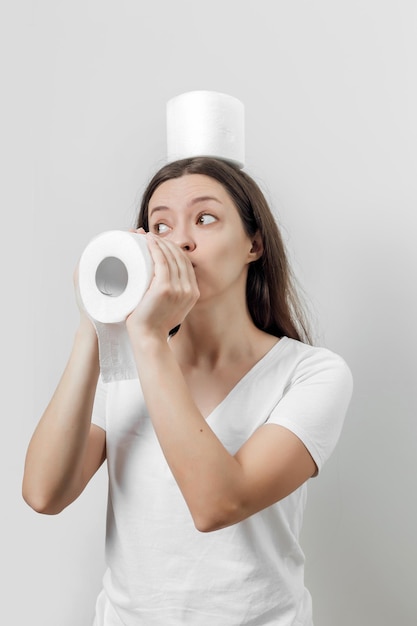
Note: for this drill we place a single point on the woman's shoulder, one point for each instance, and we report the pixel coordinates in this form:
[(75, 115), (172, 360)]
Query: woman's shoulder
[(311, 359), (299, 348)]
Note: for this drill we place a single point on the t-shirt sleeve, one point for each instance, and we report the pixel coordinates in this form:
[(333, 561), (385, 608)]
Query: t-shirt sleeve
[(315, 402), (98, 416)]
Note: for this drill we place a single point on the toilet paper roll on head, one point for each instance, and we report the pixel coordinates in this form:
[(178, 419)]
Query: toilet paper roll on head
[(115, 270), (206, 123)]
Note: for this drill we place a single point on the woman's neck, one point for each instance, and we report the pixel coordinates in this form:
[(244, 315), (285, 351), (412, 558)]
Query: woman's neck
[(213, 337)]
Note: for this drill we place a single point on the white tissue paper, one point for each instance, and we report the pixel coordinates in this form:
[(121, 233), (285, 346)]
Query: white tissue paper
[(115, 270), (206, 123)]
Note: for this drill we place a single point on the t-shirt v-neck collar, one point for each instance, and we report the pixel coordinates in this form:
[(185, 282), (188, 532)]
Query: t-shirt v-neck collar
[(270, 354)]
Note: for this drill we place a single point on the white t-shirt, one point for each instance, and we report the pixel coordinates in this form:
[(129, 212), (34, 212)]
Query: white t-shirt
[(161, 570)]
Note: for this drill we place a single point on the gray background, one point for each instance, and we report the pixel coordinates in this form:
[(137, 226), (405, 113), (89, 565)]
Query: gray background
[(330, 96)]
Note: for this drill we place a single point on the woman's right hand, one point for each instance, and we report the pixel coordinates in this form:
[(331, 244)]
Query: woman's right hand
[(172, 293)]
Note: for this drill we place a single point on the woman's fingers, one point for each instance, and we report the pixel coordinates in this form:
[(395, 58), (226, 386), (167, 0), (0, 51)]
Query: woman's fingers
[(165, 269), (139, 231), (173, 290), (176, 264)]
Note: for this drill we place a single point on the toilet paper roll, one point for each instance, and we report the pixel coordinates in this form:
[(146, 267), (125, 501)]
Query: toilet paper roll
[(115, 270), (206, 123)]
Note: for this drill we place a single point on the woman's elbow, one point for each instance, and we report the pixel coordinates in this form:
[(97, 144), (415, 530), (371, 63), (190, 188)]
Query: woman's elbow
[(39, 502), (208, 520), (204, 525)]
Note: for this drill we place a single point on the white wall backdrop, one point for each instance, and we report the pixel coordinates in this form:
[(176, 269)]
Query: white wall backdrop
[(331, 100)]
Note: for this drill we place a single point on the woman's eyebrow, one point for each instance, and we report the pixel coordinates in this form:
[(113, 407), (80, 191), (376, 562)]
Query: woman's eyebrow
[(158, 208), (191, 203), (204, 199)]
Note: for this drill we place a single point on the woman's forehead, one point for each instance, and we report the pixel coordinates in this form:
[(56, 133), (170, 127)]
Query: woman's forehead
[(188, 186)]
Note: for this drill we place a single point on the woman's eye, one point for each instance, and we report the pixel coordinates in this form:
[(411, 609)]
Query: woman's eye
[(206, 218), (161, 228)]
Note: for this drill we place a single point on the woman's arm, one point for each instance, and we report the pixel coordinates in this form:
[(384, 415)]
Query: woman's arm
[(66, 450), (220, 489)]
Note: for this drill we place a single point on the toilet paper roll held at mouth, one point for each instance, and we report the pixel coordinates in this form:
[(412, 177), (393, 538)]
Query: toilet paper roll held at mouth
[(115, 270)]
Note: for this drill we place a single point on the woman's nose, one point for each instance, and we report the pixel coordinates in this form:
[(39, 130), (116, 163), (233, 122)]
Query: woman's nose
[(184, 240), (188, 246)]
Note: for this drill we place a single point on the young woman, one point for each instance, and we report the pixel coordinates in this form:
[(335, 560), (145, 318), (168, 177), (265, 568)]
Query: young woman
[(210, 448)]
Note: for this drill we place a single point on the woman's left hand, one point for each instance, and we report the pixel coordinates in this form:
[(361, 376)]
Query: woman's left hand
[(172, 293)]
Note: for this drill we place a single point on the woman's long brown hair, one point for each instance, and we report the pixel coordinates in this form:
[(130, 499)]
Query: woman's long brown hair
[(271, 296)]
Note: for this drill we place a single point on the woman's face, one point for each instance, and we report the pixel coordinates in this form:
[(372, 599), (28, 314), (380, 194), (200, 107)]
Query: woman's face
[(195, 212)]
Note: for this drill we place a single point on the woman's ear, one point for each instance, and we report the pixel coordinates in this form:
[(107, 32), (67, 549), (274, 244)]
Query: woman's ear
[(257, 248)]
